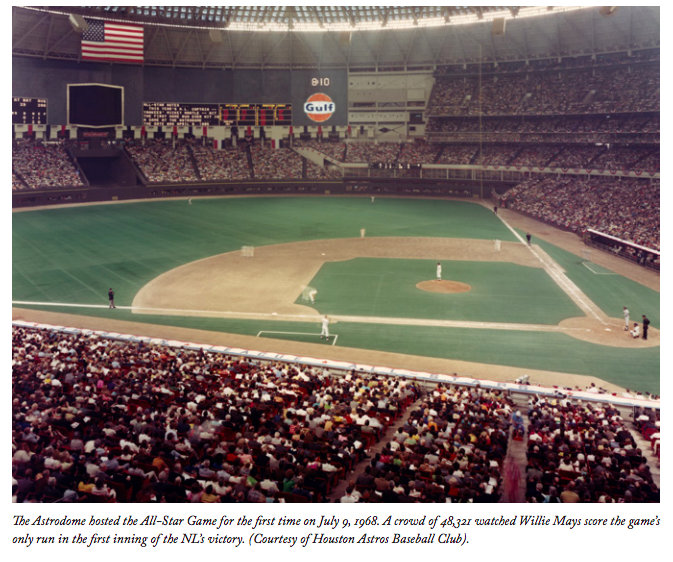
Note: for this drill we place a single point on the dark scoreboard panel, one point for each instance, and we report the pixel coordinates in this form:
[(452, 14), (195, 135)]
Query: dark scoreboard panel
[(29, 111), (162, 114), (320, 97)]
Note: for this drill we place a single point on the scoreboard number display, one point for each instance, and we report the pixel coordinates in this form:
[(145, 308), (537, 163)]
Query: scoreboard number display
[(320, 98), (165, 114), (29, 111)]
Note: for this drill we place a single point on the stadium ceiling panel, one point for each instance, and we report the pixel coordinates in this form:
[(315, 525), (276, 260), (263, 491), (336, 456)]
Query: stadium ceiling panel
[(371, 38)]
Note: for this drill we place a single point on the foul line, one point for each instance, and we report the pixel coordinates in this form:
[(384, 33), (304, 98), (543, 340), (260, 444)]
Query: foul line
[(315, 318), (586, 264), (556, 273), (335, 336)]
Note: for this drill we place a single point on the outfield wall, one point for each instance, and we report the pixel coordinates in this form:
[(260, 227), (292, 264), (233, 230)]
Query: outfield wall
[(363, 187)]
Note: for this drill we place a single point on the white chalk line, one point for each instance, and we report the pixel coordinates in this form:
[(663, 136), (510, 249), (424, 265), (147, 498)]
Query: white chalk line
[(586, 264), (335, 336), (556, 273), (337, 318)]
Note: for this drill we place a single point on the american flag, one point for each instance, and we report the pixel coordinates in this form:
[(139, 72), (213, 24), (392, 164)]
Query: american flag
[(112, 41)]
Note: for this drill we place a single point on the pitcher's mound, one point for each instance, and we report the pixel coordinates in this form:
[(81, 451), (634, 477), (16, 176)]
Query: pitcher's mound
[(443, 286)]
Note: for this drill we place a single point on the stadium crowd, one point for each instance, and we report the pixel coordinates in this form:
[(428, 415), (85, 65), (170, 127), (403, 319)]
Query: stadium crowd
[(100, 420), (280, 163), (373, 153), (459, 154), (227, 164), (608, 90), (625, 208), (583, 452), (415, 153), (39, 166), (451, 448), (335, 150), (553, 62), (160, 161), (626, 124)]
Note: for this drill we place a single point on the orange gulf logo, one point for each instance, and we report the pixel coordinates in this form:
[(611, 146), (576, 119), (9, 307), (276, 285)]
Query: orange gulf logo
[(319, 107)]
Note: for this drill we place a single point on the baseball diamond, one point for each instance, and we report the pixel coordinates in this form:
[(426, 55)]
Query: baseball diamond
[(369, 286)]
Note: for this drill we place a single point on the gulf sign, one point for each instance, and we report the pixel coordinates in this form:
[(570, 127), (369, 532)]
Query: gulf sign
[(319, 107)]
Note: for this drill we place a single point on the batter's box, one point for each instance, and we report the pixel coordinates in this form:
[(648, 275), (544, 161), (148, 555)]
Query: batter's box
[(309, 339)]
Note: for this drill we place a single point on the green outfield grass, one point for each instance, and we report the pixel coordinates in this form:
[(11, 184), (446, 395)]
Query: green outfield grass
[(73, 255)]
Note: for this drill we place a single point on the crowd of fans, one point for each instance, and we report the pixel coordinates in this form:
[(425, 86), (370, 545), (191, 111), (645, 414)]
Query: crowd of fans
[(17, 184), (316, 172), (280, 163), (160, 161), (625, 208), (100, 420), (40, 166), (576, 157), (228, 164), (608, 90), (583, 453), (551, 62), (565, 124), (36, 166), (335, 150), (451, 449), (627, 158), (459, 154), (415, 153), (373, 153), (498, 155), (535, 155)]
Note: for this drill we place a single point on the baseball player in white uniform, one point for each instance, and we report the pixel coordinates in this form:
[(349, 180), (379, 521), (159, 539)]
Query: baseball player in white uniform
[(439, 271), (626, 319), (308, 294), (325, 328), (497, 245)]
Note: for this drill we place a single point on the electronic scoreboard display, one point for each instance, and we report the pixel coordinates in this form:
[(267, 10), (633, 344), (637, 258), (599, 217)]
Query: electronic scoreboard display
[(29, 111), (160, 114), (164, 114)]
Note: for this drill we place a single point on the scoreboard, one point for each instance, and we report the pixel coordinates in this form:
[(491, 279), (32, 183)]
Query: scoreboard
[(29, 111), (257, 114), (320, 97), (161, 114)]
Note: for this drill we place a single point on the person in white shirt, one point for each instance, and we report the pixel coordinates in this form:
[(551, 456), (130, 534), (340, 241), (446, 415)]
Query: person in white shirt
[(439, 271), (325, 328), (636, 330), (626, 319)]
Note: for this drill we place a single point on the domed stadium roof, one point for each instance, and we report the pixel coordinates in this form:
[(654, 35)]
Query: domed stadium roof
[(375, 38)]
